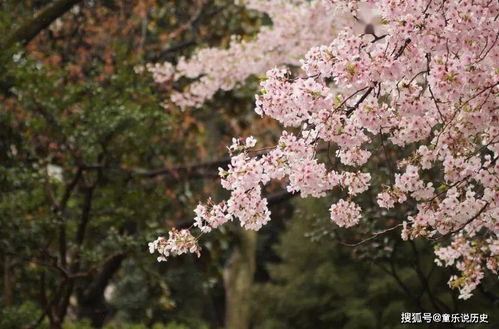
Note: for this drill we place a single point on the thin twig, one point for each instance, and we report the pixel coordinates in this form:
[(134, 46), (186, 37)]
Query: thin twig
[(372, 237)]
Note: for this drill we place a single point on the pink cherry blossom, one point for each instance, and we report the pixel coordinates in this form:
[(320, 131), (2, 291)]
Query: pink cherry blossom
[(345, 213), (423, 80)]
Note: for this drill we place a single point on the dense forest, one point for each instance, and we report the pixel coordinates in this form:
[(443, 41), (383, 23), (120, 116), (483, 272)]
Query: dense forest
[(99, 155)]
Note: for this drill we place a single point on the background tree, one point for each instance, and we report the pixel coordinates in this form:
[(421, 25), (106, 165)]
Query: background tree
[(87, 141), (315, 281), (96, 159)]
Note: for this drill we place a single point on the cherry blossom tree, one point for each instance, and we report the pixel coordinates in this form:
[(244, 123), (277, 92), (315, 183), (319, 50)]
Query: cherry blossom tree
[(421, 75), (297, 25)]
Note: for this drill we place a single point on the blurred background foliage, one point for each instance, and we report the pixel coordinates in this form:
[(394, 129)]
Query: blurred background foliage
[(94, 163)]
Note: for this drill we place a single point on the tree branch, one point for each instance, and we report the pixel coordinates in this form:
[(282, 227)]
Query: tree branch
[(79, 239), (484, 207), (272, 199), (372, 237), (194, 170), (31, 28), (59, 211), (351, 109)]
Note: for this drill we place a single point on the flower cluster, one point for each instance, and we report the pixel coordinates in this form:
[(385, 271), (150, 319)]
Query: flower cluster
[(423, 77), (345, 213), (179, 242), (161, 72), (296, 26), (468, 256)]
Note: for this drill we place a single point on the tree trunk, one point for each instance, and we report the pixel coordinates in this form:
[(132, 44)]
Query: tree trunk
[(238, 281), (240, 268), (55, 325), (7, 282), (91, 301)]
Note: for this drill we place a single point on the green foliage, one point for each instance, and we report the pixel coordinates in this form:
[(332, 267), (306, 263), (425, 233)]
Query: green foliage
[(73, 108), (19, 316), (318, 283), (112, 124)]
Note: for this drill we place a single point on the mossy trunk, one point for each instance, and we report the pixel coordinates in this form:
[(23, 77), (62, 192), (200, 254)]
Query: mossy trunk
[(238, 281), (7, 282), (240, 267)]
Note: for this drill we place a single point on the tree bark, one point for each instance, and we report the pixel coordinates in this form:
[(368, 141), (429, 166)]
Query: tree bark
[(240, 268), (238, 281), (79, 240), (7, 282), (30, 29), (91, 301)]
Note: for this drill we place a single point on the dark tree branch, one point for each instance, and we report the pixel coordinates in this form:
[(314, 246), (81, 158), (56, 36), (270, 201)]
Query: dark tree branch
[(195, 170), (349, 97), (90, 294), (207, 169), (398, 279), (279, 196), (361, 99), (31, 28), (484, 207), (402, 48), (416, 265), (79, 239), (59, 210), (100, 280), (85, 216), (372, 237), (43, 301), (172, 51)]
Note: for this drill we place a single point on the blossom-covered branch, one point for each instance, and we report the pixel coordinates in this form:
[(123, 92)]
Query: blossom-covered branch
[(428, 86), (296, 26)]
